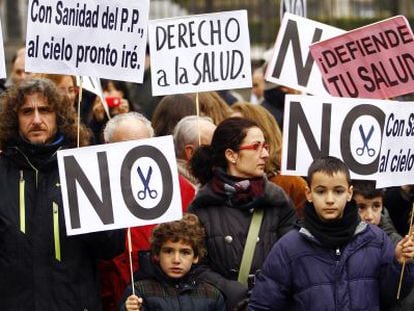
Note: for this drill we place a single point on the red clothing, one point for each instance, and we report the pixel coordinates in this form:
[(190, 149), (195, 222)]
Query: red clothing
[(115, 273)]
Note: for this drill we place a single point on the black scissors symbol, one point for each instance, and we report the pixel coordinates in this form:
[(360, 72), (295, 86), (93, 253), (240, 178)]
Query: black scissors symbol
[(142, 193), (365, 139)]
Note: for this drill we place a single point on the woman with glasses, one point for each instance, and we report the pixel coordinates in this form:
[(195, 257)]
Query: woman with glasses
[(232, 172)]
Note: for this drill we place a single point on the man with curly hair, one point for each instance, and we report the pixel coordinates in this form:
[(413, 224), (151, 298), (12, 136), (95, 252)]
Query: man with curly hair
[(42, 268), (171, 282)]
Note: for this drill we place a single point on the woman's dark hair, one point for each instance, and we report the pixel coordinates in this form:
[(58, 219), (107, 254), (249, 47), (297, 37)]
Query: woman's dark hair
[(170, 110), (229, 134), (118, 85)]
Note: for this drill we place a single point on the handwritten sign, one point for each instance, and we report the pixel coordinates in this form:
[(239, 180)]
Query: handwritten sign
[(200, 53), (297, 7), (374, 61), (397, 149), (98, 38), (119, 185), (292, 64)]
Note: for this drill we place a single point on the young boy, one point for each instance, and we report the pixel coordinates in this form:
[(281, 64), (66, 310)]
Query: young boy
[(371, 209), (172, 282), (335, 261), (369, 201)]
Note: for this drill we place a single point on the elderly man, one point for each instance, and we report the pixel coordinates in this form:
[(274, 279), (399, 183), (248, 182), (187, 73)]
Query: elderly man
[(189, 133), (42, 268), (116, 272)]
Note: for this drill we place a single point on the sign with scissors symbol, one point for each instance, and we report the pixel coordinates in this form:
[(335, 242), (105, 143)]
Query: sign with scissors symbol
[(365, 139), (142, 194)]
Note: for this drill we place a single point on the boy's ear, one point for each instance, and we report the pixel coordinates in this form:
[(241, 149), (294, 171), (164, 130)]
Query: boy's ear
[(350, 192), (195, 259), (308, 194)]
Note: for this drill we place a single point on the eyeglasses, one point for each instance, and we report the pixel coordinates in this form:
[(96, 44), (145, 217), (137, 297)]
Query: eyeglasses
[(257, 146)]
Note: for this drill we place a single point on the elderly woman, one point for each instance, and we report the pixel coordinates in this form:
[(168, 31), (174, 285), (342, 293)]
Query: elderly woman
[(235, 187)]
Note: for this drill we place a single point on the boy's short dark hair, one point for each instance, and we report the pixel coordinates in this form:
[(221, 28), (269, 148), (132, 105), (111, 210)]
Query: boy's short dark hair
[(188, 230), (328, 165), (367, 189)]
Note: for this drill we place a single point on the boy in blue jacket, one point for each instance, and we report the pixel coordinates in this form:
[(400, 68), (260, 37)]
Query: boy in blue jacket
[(172, 281), (335, 261)]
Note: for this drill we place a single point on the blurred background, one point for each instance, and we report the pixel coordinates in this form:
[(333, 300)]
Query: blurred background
[(264, 16)]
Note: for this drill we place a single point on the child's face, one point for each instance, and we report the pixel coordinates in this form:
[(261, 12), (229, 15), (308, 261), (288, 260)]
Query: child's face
[(369, 209), (176, 259), (329, 195)]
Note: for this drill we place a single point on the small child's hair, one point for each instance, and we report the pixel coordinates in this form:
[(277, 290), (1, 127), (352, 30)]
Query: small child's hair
[(367, 189), (328, 165), (187, 230)]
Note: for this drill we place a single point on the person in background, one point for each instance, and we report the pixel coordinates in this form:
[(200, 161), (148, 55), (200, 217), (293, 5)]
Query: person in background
[(294, 186), (234, 186), (116, 273), (257, 93), (41, 267), (170, 110), (171, 279), (18, 71), (372, 210), (190, 133), (401, 199), (335, 261), (370, 203), (212, 105), (116, 96), (65, 83)]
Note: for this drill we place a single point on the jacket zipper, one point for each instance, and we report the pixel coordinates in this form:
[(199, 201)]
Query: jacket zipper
[(56, 231), (22, 204)]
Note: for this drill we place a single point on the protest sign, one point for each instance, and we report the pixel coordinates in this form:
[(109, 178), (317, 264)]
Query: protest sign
[(292, 64), (96, 38), (200, 53), (119, 185), (350, 129), (297, 7), (375, 61), (397, 149), (2, 61)]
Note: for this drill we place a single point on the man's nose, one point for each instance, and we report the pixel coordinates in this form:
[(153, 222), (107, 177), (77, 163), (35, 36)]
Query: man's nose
[(36, 116)]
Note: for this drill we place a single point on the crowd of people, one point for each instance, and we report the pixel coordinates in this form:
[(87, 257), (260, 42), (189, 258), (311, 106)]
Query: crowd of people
[(250, 238)]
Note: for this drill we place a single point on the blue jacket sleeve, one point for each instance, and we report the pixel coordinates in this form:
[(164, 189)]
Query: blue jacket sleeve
[(272, 287)]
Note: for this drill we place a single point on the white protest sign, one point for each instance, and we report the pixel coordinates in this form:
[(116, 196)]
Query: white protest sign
[(119, 185), (97, 38), (200, 53), (349, 129), (93, 85), (292, 64), (297, 7), (2, 61), (375, 61), (397, 150)]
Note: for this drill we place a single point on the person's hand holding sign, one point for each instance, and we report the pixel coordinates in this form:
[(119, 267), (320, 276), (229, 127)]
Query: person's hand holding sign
[(133, 303)]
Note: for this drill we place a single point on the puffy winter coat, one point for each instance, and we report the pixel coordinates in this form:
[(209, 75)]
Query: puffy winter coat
[(41, 268), (159, 292), (227, 226), (300, 274)]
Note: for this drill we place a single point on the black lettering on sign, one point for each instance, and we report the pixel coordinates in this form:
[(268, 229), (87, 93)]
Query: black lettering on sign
[(298, 119), (127, 192), (75, 174), (291, 36)]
